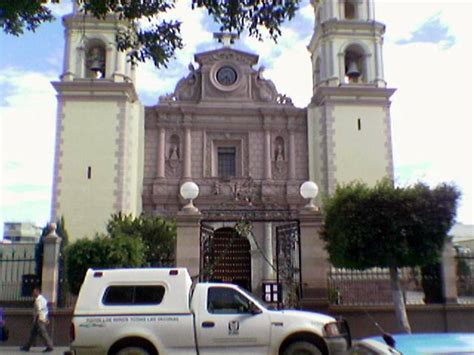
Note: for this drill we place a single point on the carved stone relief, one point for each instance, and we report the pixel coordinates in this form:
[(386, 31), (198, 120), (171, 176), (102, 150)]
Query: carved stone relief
[(187, 89)]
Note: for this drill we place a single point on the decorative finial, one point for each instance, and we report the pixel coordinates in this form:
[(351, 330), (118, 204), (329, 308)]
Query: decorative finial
[(226, 38)]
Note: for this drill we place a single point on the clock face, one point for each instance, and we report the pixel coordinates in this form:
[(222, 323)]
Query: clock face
[(226, 75)]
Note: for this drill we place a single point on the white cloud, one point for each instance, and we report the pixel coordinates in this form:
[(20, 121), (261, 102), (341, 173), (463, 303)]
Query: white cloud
[(432, 108), (28, 133)]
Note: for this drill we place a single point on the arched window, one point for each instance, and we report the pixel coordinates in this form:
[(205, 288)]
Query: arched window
[(354, 65), (95, 60)]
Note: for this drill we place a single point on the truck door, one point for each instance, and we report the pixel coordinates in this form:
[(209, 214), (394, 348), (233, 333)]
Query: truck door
[(232, 324)]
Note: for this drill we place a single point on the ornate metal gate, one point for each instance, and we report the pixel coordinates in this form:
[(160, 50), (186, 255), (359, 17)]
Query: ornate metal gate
[(225, 256), (288, 260), (206, 256)]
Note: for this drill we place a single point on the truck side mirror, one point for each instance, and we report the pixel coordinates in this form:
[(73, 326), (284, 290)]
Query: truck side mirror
[(254, 309)]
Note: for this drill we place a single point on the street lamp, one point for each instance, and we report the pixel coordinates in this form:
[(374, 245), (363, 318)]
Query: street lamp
[(189, 191), (309, 190)]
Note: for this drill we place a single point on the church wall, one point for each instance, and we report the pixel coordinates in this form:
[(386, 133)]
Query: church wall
[(256, 156), (99, 152), (301, 154), (360, 154), (151, 148), (197, 153), (136, 156)]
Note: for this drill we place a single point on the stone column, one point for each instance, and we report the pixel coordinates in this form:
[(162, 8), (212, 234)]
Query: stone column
[(268, 272), (314, 258), (69, 54), (119, 70), (160, 164), (268, 155), (109, 61), (50, 272), (291, 155), (188, 240), (449, 274), (187, 153)]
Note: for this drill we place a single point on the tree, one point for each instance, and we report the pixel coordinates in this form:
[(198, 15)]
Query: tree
[(101, 252), (144, 38), (390, 227), (157, 234)]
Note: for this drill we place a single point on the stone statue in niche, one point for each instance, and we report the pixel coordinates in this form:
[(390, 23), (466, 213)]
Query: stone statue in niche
[(279, 152), (173, 159), (279, 164), (174, 154)]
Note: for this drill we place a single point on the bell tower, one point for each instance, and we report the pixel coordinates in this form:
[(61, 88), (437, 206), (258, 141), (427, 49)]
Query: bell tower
[(99, 138), (349, 134)]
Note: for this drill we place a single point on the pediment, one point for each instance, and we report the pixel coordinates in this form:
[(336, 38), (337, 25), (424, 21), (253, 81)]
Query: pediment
[(226, 54), (226, 76)]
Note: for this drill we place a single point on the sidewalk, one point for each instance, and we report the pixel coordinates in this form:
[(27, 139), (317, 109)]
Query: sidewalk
[(7, 350)]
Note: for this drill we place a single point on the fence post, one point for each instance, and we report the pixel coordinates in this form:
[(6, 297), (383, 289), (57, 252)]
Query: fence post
[(314, 258), (449, 274), (50, 272), (188, 240)]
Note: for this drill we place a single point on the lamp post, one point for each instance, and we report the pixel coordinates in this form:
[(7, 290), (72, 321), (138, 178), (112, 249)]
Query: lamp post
[(309, 190), (189, 191)]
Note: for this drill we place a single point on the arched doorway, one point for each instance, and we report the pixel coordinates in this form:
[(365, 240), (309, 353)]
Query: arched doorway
[(229, 258)]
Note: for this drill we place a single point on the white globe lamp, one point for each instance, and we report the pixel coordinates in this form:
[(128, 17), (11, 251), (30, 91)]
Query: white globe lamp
[(189, 191), (309, 190)]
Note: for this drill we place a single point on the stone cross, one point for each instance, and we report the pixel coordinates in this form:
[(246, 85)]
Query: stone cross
[(226, 38)]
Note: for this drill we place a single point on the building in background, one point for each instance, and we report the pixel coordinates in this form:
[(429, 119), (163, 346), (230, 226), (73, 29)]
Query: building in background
[(21, 232)]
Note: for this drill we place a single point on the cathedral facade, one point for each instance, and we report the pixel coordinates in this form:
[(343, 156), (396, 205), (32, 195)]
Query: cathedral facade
[(225, 127)]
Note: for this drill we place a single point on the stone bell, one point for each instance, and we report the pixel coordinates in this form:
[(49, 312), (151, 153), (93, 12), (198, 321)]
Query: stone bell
[(352, 71)]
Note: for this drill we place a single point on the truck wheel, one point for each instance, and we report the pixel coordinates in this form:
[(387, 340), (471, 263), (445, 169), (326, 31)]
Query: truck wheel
[(135, 350), (302, 348)]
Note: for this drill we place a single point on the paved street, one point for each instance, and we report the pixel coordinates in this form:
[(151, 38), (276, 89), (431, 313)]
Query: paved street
[(7, 350)]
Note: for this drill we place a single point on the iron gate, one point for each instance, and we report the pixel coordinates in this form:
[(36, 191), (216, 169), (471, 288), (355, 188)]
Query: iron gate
[(288, 264), (225, 256)]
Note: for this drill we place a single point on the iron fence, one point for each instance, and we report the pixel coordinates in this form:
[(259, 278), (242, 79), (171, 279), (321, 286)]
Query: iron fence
[(465, 276), (17, 278)]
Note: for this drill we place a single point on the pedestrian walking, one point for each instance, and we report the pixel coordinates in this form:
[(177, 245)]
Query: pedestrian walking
[(40, 321)]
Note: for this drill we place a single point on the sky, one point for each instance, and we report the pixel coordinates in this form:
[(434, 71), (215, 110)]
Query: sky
[(428, 56)]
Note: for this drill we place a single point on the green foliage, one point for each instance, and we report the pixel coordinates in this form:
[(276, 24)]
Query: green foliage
[(145, 38), (157, 234), (251, 15), (101, 252), (18, 15), (387, 226)]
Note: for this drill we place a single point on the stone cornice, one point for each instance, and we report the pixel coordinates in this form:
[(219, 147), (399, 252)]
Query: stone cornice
[(213, 110), (81, 21), (352, 94), (351, 25), (95, 88)]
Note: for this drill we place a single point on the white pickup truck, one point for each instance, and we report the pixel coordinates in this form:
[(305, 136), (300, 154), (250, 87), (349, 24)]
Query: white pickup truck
[(159, 311)]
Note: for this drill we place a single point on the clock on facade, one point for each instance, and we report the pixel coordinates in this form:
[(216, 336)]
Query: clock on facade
[(226, 75)]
